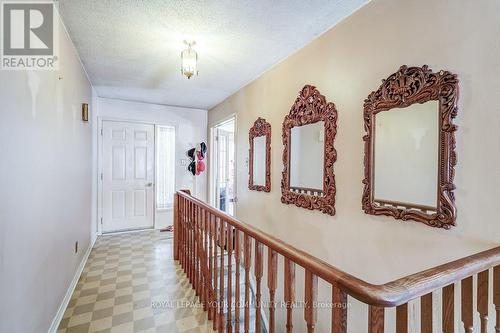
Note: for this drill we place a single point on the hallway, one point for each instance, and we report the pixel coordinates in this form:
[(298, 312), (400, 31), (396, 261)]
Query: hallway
[(231, 166), (132, 284)]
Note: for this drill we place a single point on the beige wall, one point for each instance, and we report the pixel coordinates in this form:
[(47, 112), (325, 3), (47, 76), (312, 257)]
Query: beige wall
[(346, 64), (45, 191)]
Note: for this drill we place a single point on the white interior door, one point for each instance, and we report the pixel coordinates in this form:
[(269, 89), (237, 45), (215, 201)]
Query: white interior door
[(128, 176)]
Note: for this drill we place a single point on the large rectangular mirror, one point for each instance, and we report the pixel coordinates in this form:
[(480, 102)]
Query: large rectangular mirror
[(259, 161), (410, 147), (260, 156), (406, 158), (308, 156), (307, 149)]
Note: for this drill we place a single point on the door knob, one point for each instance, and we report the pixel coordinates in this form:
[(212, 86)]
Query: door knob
[(149, 184)]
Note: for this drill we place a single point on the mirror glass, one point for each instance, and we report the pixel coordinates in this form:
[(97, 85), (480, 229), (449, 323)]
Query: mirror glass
[(307, 156), (259, 160), (406, 154)]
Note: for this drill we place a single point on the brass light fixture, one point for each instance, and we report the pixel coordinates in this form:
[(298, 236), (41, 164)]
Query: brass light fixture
[(189, 60), (85, 112)]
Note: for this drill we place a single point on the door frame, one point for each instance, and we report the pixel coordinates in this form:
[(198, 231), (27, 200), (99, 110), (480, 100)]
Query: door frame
[(212, 169), (100, 158)]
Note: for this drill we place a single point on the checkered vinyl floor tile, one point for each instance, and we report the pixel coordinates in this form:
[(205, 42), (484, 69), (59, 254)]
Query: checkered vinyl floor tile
[(132, 284)]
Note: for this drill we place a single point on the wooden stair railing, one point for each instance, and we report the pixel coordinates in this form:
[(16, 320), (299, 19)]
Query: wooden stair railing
[(204, 235)]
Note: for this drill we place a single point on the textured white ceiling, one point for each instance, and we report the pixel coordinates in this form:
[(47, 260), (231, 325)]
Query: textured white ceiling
[(131, 48)]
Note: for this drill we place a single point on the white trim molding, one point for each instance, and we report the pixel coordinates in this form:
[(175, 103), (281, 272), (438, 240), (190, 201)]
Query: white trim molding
[(62, 308)]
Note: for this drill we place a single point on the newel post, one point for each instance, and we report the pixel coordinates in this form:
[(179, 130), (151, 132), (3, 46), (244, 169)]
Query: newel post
[(177, 222), (176, 226)]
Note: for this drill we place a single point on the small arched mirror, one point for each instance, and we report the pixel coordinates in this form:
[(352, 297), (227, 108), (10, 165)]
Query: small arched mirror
[(308, 156), (410, 147), (260, 156)]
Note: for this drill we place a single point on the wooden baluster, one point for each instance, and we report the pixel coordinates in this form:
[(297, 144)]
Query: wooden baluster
[(176, 226), (187, 233), (201, 282), (201, 242), (402, 318), (200, 252), (188, 239), (237, 255), (467, 313), (496, 296), (289, 293), (272, 284), (183, 235), (258, 278), (426, 313), (181, 228), (311, 297), (482, 299), (203, 262), (195, 243), (221, 276), (216, 282), (210, 266), (339, 310), (247, 262), (229, 242), (196, 252), (449, 309), (191, 246), (376, 319), (208, 273)]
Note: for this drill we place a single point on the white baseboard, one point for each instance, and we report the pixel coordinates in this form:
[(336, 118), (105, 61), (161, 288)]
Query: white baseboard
[(92, 242), (62, 308)]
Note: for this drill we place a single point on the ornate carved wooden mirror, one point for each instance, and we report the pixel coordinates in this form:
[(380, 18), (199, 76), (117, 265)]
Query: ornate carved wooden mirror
[(309, 130), (410, 151), (260, 156)]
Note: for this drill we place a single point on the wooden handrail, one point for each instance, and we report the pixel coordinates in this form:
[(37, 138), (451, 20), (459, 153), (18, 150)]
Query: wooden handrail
[(390, 294)]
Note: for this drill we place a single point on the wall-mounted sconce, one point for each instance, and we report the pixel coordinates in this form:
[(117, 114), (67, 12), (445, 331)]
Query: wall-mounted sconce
[(85, 112)]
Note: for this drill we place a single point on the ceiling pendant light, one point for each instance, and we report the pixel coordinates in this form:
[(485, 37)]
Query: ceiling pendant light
[(189, 60)]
